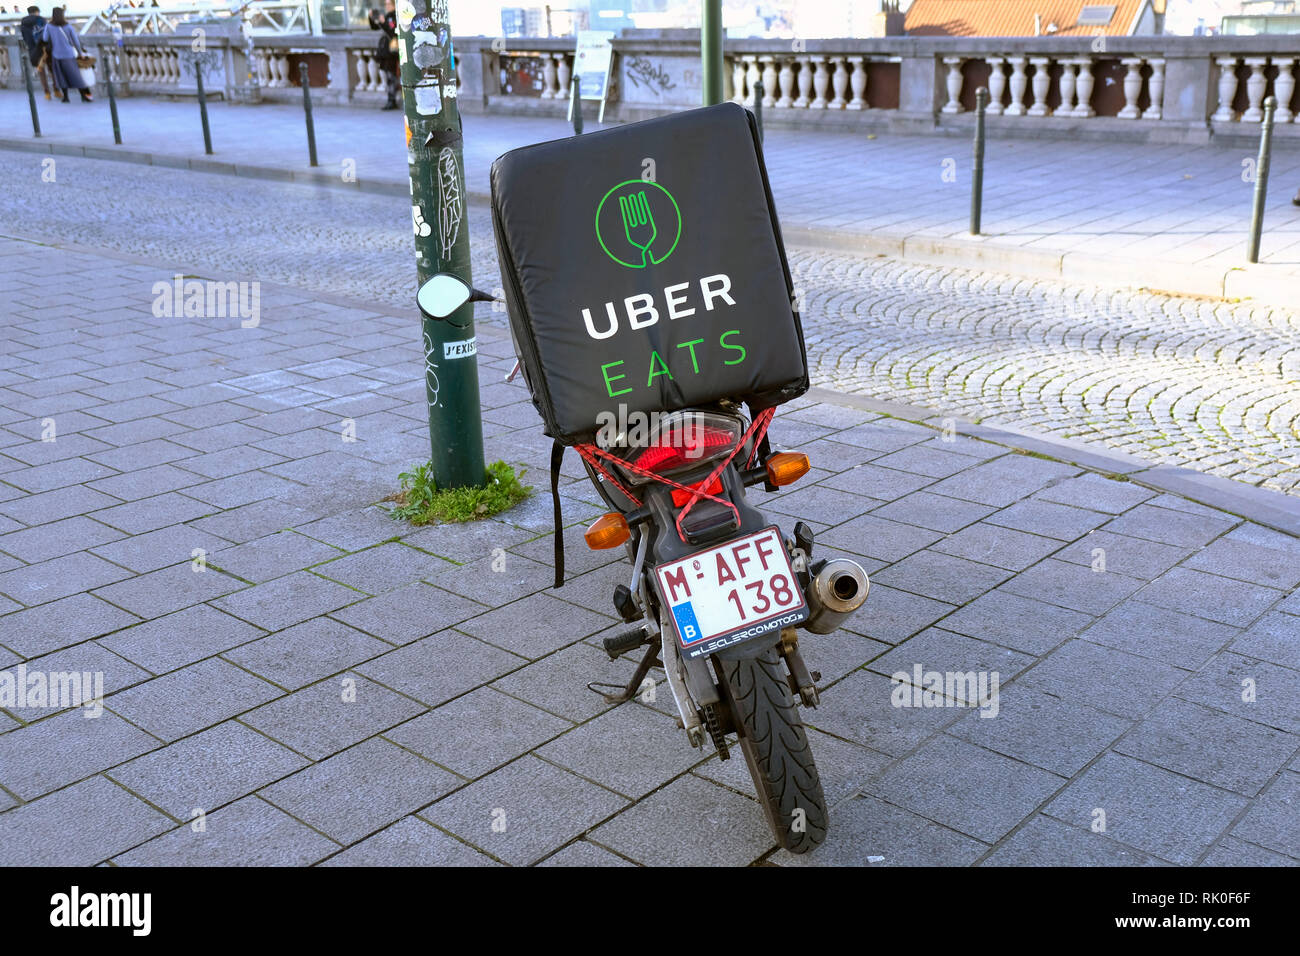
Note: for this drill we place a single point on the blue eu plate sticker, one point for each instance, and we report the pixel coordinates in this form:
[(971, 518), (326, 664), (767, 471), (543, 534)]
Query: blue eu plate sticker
[(687, 627)]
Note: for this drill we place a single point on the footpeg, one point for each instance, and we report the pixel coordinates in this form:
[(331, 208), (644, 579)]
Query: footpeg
[(620, 644)]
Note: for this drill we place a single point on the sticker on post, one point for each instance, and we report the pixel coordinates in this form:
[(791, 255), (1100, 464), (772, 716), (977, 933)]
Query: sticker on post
[(462, 349)]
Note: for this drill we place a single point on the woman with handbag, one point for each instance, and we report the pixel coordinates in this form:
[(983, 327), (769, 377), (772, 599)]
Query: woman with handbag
[(389, 62), (66, 55)]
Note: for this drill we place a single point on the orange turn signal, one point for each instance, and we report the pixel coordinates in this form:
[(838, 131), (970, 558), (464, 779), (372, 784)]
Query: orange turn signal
[(607, 531), (786, 467)]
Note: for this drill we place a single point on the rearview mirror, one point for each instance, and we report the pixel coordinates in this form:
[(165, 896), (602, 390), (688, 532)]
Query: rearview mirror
[(442, 295)]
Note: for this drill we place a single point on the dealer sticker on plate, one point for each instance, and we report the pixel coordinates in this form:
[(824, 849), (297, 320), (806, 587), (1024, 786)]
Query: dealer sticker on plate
[(731, 593)]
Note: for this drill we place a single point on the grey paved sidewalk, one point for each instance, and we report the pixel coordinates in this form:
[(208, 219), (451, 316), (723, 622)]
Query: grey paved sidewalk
[(180, 511), (1166, 217)]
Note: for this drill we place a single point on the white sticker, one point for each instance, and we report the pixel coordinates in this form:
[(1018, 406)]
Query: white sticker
[(428, 100), (405, 14), (463, 349)]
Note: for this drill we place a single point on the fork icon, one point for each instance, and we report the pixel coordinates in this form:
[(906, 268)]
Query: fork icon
[(638, 224)]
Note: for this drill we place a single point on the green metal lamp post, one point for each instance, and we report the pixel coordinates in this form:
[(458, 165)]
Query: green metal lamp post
[(438, 214)]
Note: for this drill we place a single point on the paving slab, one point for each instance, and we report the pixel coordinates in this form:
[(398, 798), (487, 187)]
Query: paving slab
[(510, 814), (248, 832), (1147, 808), (78, 826), (410, 842)]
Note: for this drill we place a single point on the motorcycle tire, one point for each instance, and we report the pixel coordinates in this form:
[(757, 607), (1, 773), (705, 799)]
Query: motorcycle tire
[(776, 749)]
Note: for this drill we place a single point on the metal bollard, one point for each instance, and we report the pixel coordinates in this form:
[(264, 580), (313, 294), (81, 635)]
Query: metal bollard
[(577, 106), (759, 92), (112, 97), (31, 93), (306, 105), (203, 108), (1261, 178), (977, 167)]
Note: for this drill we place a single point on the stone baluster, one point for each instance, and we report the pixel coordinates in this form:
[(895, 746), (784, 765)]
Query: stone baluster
[(786, 80), (1083, 89), (737, 80), (997, 85), (1227, 88), (1132, 87), (174, 62), (752, 75), (769, 80), (1284, 89), (858, 83), (1018, 82), (839, 83), (359, 61), (550, 79), (1256, 83), (1156, 90), (363, 69), (953, 82), (1042, 85), (1067, 85), (821, 83), (805, 83), (563, 74)]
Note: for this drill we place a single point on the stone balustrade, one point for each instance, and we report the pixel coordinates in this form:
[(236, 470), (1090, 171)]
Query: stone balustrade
[(813, 82), (1166, 89)]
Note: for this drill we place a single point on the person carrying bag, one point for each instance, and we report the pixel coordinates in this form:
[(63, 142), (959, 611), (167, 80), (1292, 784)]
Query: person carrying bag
[(66, 56)]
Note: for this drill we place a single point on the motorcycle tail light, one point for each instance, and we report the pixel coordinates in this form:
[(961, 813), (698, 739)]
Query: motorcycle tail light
[(607, 531), (786, 467), (685, 440)]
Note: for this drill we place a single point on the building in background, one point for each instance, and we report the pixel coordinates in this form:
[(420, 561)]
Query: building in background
[(781, 19), (1264, 16), (1027, 18)]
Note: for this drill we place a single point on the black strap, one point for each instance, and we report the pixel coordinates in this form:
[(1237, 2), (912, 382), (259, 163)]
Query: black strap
[(557, 456)]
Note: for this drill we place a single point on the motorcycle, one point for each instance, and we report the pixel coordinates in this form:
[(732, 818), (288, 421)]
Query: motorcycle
[(717, 594)]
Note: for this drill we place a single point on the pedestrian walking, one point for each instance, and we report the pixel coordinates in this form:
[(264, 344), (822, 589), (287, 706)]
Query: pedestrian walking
[(65, 51), (389, 62), (33, 31)]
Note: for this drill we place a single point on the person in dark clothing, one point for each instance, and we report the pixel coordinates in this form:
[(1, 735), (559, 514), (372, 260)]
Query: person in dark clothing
[(389, 62), (33, 30)]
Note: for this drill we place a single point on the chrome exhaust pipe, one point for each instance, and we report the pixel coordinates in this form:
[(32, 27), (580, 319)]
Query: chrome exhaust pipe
[(837, 588)]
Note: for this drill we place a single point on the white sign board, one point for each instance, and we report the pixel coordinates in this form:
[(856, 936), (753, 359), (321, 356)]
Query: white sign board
[(591, 65)]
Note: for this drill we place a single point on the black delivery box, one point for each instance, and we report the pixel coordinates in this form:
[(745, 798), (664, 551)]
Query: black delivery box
[(643, 267)]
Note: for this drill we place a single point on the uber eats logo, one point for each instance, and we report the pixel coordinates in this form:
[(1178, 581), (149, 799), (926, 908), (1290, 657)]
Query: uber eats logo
[(638, 223)]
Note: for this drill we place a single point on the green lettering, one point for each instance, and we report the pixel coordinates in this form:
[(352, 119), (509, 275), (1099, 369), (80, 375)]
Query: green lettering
[(608, 379), (691, 345), (655, 357), (735, 348)]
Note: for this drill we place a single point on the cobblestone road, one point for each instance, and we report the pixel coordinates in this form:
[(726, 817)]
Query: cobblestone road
[(1179, 381)]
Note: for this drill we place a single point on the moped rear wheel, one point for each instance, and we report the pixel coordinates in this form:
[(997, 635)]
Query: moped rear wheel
[(776, 749)]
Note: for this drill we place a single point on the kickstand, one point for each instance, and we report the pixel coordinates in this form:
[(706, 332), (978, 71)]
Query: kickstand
[(650, 660)]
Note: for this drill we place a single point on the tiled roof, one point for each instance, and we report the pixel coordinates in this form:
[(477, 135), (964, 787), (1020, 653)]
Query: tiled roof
[(1015, 18)]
